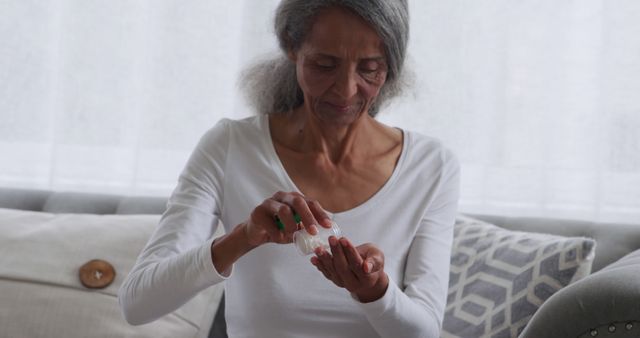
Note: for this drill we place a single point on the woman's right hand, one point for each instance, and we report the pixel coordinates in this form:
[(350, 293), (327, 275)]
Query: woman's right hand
[(261, 227)]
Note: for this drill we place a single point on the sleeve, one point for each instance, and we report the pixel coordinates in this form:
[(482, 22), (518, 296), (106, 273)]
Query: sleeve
[(417, 309), (176, 262)]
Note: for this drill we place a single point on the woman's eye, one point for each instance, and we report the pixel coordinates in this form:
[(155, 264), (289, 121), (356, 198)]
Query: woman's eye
[(325, 66), (368, 70), (369, 67)]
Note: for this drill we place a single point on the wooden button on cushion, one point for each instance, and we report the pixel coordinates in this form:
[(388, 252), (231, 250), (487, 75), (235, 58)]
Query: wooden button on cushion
[(97, 274)]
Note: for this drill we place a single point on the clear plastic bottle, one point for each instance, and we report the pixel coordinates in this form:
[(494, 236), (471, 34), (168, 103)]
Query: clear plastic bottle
[(306, 243)]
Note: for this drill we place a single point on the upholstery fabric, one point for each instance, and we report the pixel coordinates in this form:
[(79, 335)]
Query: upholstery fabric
[(77, 202), (499, 277), (42, 296), (606, 303)]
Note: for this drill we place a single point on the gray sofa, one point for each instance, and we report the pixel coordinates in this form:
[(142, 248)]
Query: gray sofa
[(605, 304)]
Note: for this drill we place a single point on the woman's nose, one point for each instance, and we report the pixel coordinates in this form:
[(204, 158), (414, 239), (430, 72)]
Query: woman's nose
[(346, 85)]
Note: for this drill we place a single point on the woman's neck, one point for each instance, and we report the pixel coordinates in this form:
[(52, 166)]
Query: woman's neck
[(302, 132)]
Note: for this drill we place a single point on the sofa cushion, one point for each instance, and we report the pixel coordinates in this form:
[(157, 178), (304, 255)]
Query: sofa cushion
[(602, 304), (42, 293), (499, 277)]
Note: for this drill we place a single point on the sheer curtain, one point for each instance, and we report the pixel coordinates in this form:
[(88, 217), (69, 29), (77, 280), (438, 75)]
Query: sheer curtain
[(539, 99)]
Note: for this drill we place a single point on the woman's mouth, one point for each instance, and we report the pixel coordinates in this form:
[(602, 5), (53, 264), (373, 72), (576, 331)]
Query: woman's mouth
[(340, 107)]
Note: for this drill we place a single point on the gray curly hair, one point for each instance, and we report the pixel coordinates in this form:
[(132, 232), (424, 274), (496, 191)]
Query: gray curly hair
[(271, 85)]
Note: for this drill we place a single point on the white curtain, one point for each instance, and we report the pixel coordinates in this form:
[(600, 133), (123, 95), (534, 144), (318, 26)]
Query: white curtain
[(539, 99)]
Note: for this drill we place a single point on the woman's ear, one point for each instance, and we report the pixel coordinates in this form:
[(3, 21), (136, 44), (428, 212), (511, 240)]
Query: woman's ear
[(293, 56)]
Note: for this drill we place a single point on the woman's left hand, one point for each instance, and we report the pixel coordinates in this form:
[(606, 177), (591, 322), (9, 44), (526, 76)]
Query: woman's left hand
[(358, 269)]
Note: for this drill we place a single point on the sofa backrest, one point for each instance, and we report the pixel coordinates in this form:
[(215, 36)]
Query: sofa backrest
[(613, 240), (76, 203)]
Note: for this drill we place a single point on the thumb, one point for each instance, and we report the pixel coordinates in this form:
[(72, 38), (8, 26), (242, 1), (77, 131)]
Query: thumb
[(372, 258), (367, 266), (371, 265)]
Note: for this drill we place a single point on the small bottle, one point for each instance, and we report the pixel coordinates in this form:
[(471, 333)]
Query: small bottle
[(307, 243)]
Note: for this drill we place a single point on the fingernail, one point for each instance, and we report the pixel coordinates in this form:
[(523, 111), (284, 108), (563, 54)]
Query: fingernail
[(344, 242), (313, 229), (369, 267), (333, 241)]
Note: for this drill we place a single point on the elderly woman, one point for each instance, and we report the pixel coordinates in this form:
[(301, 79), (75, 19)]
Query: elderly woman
[(320, 155)]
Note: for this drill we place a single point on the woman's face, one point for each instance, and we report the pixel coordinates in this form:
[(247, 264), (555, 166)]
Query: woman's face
[(341, 67)]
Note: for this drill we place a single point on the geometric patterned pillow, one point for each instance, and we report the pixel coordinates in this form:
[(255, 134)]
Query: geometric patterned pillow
[(499, 277)]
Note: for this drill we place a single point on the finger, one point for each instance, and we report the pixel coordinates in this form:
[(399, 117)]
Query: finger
[(318, 264), (319, 213), (354, 259), (372, 264), (298, 202), (285, 217), (308, 220), (327, 263), (359, 265), (311, 212), (341, 264), (263, 215), (373, 258)]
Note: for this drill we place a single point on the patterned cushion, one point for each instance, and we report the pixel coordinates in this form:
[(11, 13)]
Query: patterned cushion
[(499, 277)]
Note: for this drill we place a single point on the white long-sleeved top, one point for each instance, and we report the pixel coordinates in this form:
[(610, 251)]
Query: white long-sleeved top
[(272, 291)]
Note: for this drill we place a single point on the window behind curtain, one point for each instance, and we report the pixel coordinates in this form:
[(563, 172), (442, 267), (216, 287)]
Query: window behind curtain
[(539, 99)]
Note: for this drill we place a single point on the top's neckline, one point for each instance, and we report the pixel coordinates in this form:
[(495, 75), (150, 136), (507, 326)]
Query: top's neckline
[(278, 167)]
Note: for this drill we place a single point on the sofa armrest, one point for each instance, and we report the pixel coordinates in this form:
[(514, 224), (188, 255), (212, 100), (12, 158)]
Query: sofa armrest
[(604, 304)]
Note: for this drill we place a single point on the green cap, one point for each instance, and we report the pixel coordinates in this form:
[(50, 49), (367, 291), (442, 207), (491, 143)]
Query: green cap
[(279, 223)]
